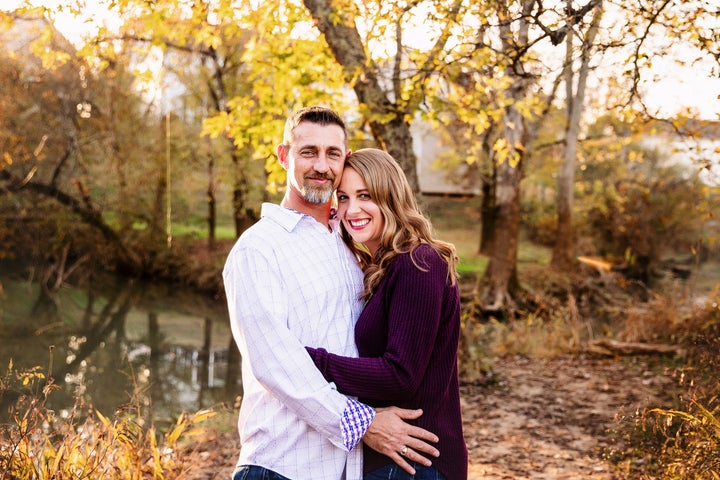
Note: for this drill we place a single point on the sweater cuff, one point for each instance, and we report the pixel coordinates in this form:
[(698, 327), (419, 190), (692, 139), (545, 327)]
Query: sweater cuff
[(356, 419)]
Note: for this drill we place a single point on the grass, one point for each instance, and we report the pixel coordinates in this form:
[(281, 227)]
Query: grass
[(222, 232), (466, 242), (455, 220)]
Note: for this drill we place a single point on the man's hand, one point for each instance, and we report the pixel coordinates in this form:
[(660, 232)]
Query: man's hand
[(390, 435)]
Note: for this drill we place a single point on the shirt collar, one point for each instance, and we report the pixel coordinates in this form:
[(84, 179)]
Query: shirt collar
[(289, 218), (285, 217)]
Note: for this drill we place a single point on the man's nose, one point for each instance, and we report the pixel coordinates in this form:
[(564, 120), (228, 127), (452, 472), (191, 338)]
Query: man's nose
[(321, 163)]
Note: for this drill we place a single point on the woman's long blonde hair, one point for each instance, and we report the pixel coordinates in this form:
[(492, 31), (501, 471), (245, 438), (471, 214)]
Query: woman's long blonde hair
[(405, 226)]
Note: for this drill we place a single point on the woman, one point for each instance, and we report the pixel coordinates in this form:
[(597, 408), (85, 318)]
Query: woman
[(408, 332)]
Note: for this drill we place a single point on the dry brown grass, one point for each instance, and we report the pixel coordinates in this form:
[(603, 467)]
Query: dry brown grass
[(37, 443)]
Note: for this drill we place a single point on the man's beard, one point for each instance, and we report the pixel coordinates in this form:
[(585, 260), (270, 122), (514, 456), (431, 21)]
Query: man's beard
[(318, 194)]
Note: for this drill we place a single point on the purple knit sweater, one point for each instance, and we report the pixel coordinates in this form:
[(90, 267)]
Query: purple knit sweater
[(407, 337)]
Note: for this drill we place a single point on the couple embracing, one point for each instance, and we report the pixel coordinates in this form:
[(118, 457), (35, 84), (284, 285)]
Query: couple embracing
[(347, 323)]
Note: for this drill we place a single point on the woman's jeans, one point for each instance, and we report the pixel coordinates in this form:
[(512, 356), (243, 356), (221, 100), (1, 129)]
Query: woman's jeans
[(253, 472), (393, 472)]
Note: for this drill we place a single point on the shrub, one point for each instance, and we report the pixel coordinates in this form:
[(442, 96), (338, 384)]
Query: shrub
[(37, 443), (681, 442)]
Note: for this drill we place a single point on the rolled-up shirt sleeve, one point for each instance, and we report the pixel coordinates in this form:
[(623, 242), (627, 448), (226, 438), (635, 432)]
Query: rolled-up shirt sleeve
[(357, 417)]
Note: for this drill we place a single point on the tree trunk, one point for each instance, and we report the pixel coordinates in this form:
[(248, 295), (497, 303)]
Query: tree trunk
[(157, 220), (562, 257), (563, 251), (211, 201), (395, 138), (392, 132), (488, 216), (501, 271), (488, 212), (157, 231), (243, 215), (124, 219), (613, 348)]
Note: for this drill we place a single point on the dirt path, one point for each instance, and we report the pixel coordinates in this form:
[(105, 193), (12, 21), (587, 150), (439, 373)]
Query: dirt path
[(549, 419), (542, 419)]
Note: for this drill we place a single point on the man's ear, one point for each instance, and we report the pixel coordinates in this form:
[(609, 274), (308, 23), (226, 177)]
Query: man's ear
[(282, 154), (349, 152)]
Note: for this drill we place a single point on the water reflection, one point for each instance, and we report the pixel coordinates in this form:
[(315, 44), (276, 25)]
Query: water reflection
[(115, 343)]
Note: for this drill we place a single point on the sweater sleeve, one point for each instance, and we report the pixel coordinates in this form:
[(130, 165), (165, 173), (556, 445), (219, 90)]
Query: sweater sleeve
[(414, 300)]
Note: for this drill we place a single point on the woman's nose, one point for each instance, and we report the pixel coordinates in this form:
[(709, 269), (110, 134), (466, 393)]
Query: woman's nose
[(353, 206)]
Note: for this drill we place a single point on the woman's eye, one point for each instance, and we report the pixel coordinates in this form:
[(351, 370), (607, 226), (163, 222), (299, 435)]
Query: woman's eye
[(342, 197)]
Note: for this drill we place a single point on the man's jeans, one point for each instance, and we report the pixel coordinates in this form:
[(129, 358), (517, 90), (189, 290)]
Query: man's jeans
[(253, 472), (393, 472)]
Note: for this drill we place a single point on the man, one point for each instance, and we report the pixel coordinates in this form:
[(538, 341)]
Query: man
[(290, 283)]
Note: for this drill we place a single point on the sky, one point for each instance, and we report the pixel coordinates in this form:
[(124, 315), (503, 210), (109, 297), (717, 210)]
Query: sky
[(672, 90), (677, 87), (73, 28)]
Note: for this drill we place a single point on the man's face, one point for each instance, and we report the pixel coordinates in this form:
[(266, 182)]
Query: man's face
[(315, 160)]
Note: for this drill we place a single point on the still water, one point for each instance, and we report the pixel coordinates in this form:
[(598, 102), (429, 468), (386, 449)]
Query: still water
[(117, 342)]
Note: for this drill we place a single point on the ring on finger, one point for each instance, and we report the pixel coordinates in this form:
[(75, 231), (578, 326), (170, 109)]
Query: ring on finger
[(404, 450)]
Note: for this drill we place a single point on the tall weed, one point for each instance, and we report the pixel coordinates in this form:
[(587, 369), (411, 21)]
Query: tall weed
[(681, 442), (36, 443)]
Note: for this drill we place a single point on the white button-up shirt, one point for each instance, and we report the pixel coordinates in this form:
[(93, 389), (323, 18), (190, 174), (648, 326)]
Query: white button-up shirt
[(291, 283)]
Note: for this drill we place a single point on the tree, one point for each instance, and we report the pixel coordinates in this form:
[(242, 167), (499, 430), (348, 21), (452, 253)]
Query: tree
[(499, 47), (507, 36), (640, 207), (240, 69), (254, 70), (563, 251), (391, 90), (92, 151), (196, 46)]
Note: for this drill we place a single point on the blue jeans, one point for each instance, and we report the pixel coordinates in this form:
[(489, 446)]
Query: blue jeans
[(393, 472), (253, 472)]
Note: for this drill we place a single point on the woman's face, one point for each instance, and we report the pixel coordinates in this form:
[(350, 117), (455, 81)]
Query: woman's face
[(358, 211)]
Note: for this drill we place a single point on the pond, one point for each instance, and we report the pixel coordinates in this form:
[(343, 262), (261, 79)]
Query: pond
[(118, 342)]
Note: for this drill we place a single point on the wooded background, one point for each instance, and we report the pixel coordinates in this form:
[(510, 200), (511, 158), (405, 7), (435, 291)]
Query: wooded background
[(117, 144)]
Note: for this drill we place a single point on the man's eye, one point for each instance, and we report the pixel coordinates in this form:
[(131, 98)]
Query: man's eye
[(307, 153)]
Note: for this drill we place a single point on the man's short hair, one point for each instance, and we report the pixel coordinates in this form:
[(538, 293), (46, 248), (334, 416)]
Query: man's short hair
[(320, 115)]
